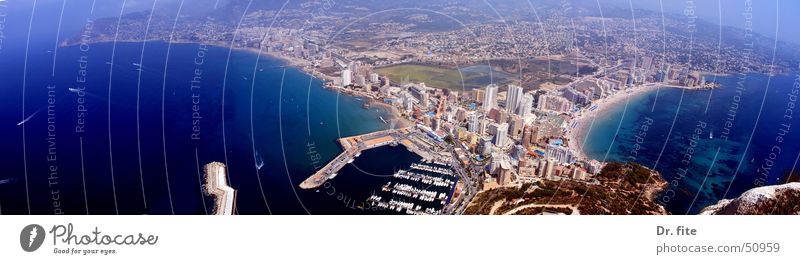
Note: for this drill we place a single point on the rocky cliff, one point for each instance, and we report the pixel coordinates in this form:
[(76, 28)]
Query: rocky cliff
[(777, 199)]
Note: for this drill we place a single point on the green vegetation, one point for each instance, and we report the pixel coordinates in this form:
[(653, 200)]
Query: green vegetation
[(439, 77)]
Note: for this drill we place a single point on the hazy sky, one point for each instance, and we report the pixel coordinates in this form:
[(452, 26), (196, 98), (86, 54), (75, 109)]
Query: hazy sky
[(765, 12), (767, 15), (105, 8)]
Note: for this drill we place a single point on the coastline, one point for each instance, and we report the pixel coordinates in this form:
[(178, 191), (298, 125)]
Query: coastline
[(584, 119), (300, 64), (397, 118)]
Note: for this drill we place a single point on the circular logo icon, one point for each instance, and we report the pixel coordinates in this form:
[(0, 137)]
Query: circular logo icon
[(31, 237)]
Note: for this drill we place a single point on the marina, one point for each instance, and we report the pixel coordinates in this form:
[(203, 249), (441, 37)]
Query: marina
[(414, 139), (425, 188)]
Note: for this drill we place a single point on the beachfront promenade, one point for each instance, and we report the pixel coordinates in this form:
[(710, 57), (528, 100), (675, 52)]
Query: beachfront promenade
[(353, 146), (217, 186)]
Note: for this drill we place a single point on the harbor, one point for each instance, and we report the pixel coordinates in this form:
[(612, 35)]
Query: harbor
[(414, 139), (425, 188)]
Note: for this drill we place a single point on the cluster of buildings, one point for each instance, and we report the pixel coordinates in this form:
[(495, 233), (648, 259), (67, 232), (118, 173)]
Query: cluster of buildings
[(516, 135), (510, 134)]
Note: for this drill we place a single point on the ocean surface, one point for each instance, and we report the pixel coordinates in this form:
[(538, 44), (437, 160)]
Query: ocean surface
[(132, 144), (709, 144)]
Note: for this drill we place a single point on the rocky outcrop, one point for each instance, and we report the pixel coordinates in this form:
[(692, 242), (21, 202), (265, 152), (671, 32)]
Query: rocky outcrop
[(619, 189), (777, 199)]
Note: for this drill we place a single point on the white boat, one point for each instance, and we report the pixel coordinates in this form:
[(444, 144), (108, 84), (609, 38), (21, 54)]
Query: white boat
[(259, 161), (711, 134)]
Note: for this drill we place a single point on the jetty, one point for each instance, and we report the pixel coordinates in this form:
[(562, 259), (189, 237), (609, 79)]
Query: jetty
[(414, 140), (216, 185)]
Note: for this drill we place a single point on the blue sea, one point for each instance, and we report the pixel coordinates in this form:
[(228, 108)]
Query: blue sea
[(709, 144), (101, 139)]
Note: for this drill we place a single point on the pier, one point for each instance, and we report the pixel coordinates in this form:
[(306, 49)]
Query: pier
[(217, 186), (414, 140)]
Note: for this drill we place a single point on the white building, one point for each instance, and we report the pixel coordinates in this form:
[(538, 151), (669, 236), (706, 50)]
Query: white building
[(473, 122), (500, 132), (559, 153), (513, 98), (347, 77), (490, 98), (526, 105), (554, 103)]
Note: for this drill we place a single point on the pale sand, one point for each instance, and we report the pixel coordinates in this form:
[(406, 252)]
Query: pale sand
[(576, 137), (396, 116)]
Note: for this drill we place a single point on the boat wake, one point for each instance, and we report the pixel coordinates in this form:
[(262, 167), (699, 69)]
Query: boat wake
[(4, 181), (259, 161), (28, 118)]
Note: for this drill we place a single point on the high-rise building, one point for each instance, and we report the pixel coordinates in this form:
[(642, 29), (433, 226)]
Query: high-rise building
[(479, 95), (548, 170), (513, 98), (497, 115), (559, 153), (490, 98), (526, 137), (530, 136), (541, 168), (486, 145), (505, 176), (525, 105), (361, 81), (500, 132), (516, 125), (374, 78), (347, 77), (408, 103), (473, 122), (483, 124), (578, 173), (554, 103)]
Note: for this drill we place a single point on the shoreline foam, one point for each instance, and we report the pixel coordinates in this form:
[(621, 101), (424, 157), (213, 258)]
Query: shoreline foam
[(577, 137)]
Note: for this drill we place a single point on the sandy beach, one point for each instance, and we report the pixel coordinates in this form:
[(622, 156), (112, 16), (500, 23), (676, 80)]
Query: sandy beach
[(396, 118), (585, 118)]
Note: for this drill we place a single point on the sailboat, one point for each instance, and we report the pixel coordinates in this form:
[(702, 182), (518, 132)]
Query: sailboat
[(711, 134)]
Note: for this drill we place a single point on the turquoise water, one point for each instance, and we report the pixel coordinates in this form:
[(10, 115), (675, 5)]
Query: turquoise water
[(710, 144)]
